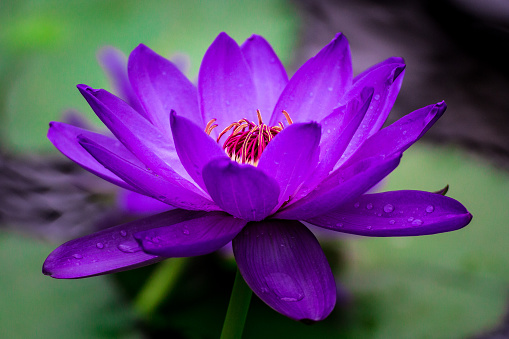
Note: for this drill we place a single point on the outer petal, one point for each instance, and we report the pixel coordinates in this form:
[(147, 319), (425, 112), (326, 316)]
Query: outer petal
[(135, 203), (226, 88), (388, 61), (269, 74), (342, 186), (161, 87), (143, 139), (291, 157), (317, 86), (284, 265), (114, 63), (398, 213), (165, 190), (64, 137), (386, 81), (399, 136), (241, 190), (194, 147), (110, 250), (192, 237)]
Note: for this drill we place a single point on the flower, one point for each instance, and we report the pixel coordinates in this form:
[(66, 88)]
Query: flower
[(206, 151)]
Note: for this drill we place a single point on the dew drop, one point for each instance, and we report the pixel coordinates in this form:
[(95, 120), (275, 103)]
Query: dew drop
[(369, 227), (186, 232), (310, 94), (392, 221), (77, 256), (377, 96), (430, 209), (356, 205), (227, 102), (284, 287), (328, 131), (330, 89), (99, 245), (410, 219), (369, 206), (417, 222), (339, 224), (123, 233), (388, 208), (129, 247)]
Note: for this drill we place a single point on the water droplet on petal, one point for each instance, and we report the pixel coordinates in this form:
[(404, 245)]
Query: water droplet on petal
[(388, 208), (123, 233), (339, 224), (186, 232), (77, 256), (328, 131), (376, 97), (369, 206), (430, 208), (227, 102), (129, 247), (330, 89), (410, 219), (99, 245), (369, 227), (284, 287), (310, 94), (356, 205), (417, 222), (392, 221)]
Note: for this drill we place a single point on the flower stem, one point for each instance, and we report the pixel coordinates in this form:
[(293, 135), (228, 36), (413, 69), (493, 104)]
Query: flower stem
[(237, 309), (158, 285)]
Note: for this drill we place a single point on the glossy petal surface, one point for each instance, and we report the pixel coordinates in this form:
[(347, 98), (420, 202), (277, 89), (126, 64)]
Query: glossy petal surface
[(315, 89), (398, 213), (199, 236), (285, 266), (269, 74), (241, 190), (161, 87), (110, 250), (291, 156), (226, 88)]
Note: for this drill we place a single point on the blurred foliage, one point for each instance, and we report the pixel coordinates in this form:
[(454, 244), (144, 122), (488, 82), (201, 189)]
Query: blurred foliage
[(442, 286)]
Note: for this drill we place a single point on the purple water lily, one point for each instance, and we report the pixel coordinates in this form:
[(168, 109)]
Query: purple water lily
[(207, 151)]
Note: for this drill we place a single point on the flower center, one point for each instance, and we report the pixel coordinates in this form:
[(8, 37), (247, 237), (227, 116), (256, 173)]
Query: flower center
[(247, 140)]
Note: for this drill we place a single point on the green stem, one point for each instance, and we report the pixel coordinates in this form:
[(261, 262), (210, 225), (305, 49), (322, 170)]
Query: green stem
[(158, 285), (237, 309)]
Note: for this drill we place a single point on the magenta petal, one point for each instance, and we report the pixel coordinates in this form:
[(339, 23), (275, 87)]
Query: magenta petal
[(241, 190), (143, 139), (291, 156), (65, 138), (161, 88), (342, 186), (194, 147), (114, 63), (199, 236), (269, 74), (110, 250), (398, 213), (386, 81), (283, 263), (399, 136), (172, 192), (226, 88), (318, 85)]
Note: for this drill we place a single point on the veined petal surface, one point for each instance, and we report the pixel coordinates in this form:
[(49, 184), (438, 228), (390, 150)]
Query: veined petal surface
[(397, 213), (199, 236), (110, 250), (283, 263)]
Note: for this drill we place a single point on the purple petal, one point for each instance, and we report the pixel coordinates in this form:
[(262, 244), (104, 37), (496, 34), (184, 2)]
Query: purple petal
[(388, 61), (194, 147), (241, 190), (342, 186), (172, 192), (317, 86), (110, 250), (283, 263), (398, 213), (226, 88), (135, 203), (143, 139), (386, 81), (334, 141), (114, 64), (269, 74), (291, 156), (161, 88), (399, 136), (65, 138), (193, 237)]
